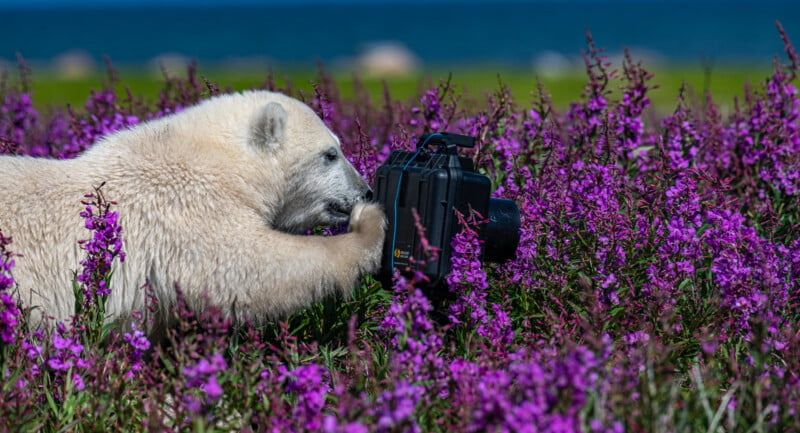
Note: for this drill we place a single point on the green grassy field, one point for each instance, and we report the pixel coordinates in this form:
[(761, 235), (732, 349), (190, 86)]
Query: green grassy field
[(724, 82)]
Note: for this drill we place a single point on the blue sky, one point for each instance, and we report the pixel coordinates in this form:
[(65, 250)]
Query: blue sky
[(221, 2), (207, 3), (268, 2)]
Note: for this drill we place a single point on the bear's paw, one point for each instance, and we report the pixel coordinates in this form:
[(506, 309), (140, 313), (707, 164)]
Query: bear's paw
[(368, 223)]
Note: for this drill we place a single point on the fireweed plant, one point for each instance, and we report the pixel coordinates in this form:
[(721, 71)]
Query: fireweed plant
[(655, 287)]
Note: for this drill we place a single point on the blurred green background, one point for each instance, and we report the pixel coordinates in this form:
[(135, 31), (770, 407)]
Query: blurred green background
[(52, 91)]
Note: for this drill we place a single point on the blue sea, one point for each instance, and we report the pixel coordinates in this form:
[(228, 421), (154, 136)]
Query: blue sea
[(474, 32)]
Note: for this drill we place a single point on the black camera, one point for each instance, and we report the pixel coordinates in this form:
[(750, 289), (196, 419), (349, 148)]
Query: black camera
[(435, 184)]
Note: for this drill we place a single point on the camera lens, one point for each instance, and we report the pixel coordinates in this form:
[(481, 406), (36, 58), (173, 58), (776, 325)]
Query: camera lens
[(502, 231)]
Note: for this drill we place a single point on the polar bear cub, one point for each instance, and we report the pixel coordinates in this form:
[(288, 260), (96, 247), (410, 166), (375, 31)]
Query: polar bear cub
[(213, 200)]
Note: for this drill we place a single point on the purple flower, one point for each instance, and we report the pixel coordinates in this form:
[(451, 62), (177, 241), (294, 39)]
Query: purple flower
[(431, 112), (681, 142), (331, 425), (103, 117), (18, 119), (202, 376), (212, 388), (104, 246), (528, 391), (65, 360), (139, 344), (413, 335), (310, 384), (9, 310), (468, 281), (395, 409)]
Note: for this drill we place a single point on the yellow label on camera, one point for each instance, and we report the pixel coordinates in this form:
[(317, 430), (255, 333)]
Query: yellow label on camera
[(397, 253)]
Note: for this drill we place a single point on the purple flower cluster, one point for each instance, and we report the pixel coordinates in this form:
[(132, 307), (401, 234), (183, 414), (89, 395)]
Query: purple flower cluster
[(431, 112), (412, 334), (18, 119), (66, 361), (530, 391), (310, 384), (103, 117), (295, 397), (104, 246), (395, 409), (468, 280), (202, 376), (331, 425), (139, 345), (9, 311)]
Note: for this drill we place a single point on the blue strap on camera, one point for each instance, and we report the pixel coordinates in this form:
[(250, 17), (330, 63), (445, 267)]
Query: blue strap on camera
[(420, 148)]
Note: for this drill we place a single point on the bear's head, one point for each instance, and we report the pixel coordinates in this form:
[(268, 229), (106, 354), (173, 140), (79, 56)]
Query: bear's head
[(320, 185)]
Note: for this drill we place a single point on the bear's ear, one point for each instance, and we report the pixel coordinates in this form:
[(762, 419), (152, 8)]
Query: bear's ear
[(267, 126)]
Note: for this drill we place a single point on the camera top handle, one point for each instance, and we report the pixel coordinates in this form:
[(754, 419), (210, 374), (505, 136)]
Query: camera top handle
[(446, 142)]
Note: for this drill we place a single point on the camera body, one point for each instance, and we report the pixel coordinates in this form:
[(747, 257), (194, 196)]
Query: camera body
[(434, 185)]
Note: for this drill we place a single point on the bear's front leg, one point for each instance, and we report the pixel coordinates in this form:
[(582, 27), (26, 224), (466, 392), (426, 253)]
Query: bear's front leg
[(368, 226), (264, 273)]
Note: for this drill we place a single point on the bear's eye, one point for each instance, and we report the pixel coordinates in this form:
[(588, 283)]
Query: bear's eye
[(331, 154)]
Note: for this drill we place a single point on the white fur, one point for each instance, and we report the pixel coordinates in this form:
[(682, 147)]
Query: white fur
[(208, 199)]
